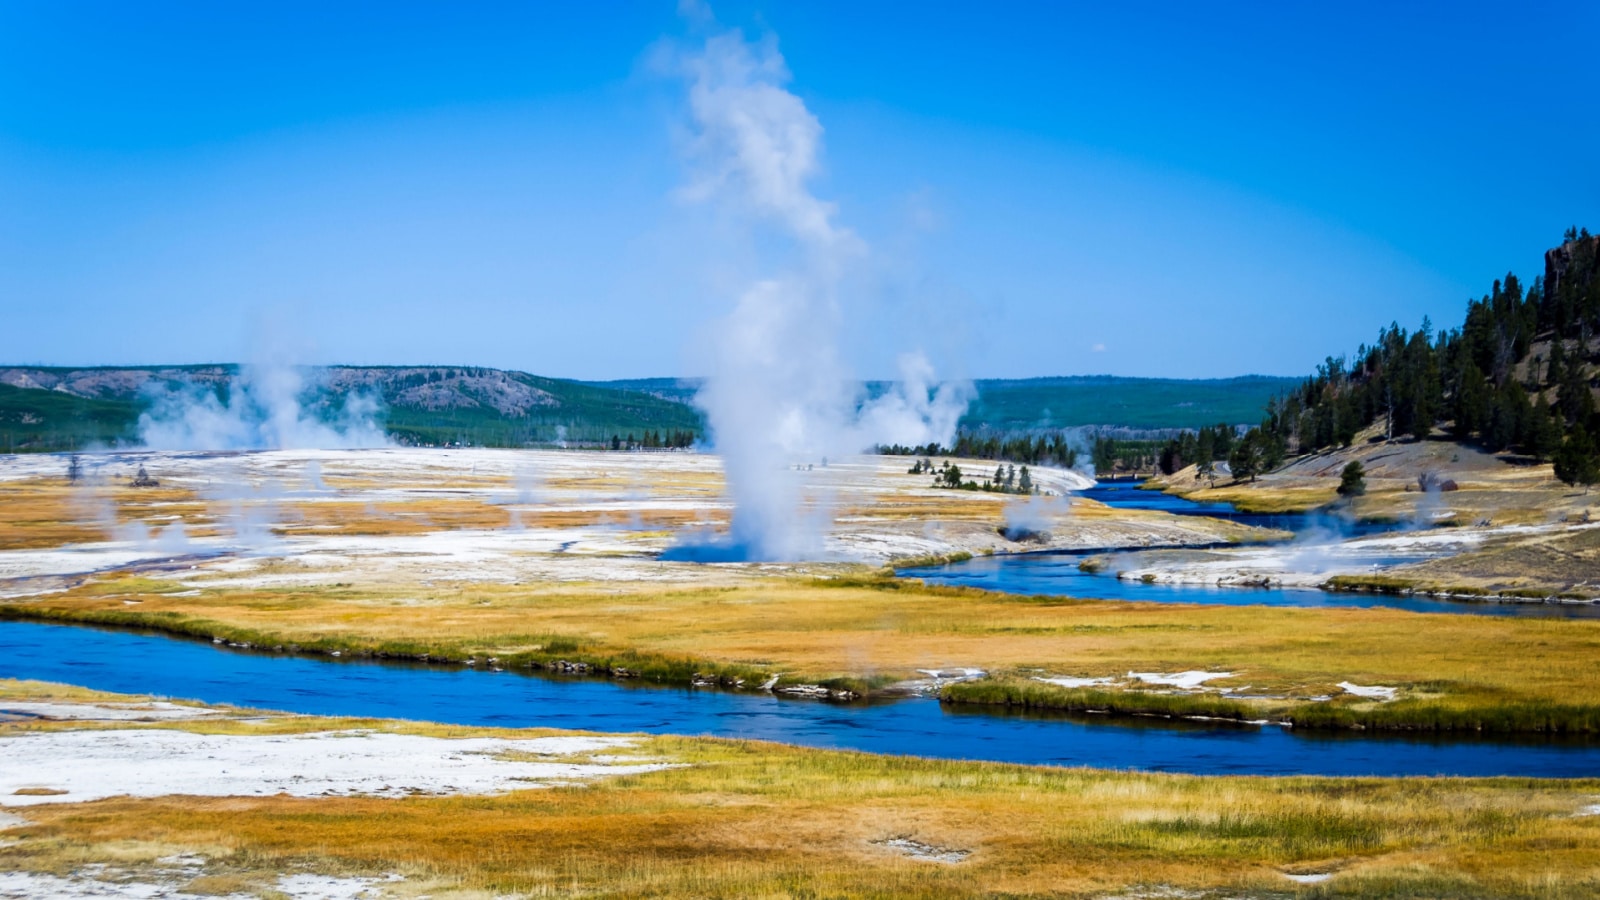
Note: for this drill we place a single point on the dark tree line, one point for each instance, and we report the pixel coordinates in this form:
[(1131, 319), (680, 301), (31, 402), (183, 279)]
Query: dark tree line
[(1050, 449), (1006, 480), (1202, 447), (1516, 376), (677, 438)]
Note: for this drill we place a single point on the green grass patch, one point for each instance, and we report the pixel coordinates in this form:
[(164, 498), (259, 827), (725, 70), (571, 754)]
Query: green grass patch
[(1453, 715), (1028, 694)]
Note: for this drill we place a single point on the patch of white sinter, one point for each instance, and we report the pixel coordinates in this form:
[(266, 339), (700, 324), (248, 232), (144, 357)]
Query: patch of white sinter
[(1187, 681), (916, 849), (1371, 693), (1068, 682), (249, 495), (90, 765), (154, 711), (166, 879)]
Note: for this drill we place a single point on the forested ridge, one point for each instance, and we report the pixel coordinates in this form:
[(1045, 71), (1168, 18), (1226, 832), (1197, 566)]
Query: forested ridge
[(1517, 376)]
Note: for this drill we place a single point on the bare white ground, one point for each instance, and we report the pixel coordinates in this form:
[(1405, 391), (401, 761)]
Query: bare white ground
[(155, 711), (1313, 878), (91, 765), (1188, 681), (1309, 564), (916, 849), (329, 887), (1371, 693), (101, 881), (263, 490), (1063, 681)]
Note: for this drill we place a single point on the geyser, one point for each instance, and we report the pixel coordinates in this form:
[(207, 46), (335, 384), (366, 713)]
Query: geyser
[(778, 391)]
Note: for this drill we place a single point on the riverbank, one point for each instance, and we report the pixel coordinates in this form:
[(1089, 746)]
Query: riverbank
[(741, 818), (1524, 534), (875, 635), (549, 561)]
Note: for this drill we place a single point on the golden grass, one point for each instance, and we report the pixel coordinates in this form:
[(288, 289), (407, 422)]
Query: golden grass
[(749, 819), (392, 518), (49, 512), (423, 516), (885, 629), (1258, 498)]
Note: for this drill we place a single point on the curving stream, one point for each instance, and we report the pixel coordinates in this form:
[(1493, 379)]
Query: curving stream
[(142, 663), (1057, 572), (148, 664)]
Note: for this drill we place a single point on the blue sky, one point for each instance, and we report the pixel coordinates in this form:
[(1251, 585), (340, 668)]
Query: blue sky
[(1169, 190)]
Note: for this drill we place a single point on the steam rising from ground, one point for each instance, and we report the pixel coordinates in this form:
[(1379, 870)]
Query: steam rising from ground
[(779, 393), (263, 410), (1032, 519)]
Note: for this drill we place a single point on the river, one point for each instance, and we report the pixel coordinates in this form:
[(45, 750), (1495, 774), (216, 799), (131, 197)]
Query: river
[(131, 662), (1058, 572)]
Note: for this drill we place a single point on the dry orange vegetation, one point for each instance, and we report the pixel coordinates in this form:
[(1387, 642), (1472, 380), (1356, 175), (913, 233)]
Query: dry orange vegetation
[(50, 512), (412, 517), (823, 629), (749, 819)]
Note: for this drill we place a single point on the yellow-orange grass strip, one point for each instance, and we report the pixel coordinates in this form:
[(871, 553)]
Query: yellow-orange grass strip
[(761, 820), (38, 513), (894, 628)]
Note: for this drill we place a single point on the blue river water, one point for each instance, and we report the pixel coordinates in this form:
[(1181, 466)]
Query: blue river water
[(1057, 573), (131, 662), (1127, 494)]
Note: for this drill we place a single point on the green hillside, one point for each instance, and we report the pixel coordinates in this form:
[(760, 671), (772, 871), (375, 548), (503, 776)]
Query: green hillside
[(1020, 404), (37, 420), (1068, 401), (679, 390), (580, 412), (48, 409), (56, 408)]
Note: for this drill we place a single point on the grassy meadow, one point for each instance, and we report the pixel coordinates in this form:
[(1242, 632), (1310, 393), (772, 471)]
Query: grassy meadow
[(865, 633), (751, 819)]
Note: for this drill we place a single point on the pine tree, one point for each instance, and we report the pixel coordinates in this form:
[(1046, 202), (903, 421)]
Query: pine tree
[(1543, 431), (1352, 481), (1245, 460), (1575, 462)]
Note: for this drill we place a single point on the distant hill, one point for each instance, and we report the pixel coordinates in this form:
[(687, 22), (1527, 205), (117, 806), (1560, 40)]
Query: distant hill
[(57, 408), (1068, 401), (52, 408), (32, 419), (678, 390), (1154, 403)]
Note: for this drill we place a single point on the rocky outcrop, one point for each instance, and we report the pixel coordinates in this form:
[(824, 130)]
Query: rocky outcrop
[(1573, 259), (417, 387), (109, 384)]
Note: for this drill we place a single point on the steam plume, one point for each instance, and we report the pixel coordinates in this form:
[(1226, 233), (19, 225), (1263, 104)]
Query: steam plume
[(778, 391), (263, 411)]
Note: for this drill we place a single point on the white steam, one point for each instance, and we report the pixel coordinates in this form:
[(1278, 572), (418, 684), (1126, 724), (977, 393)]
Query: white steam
[(779, 392), (263, 411), (1031, 519)]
